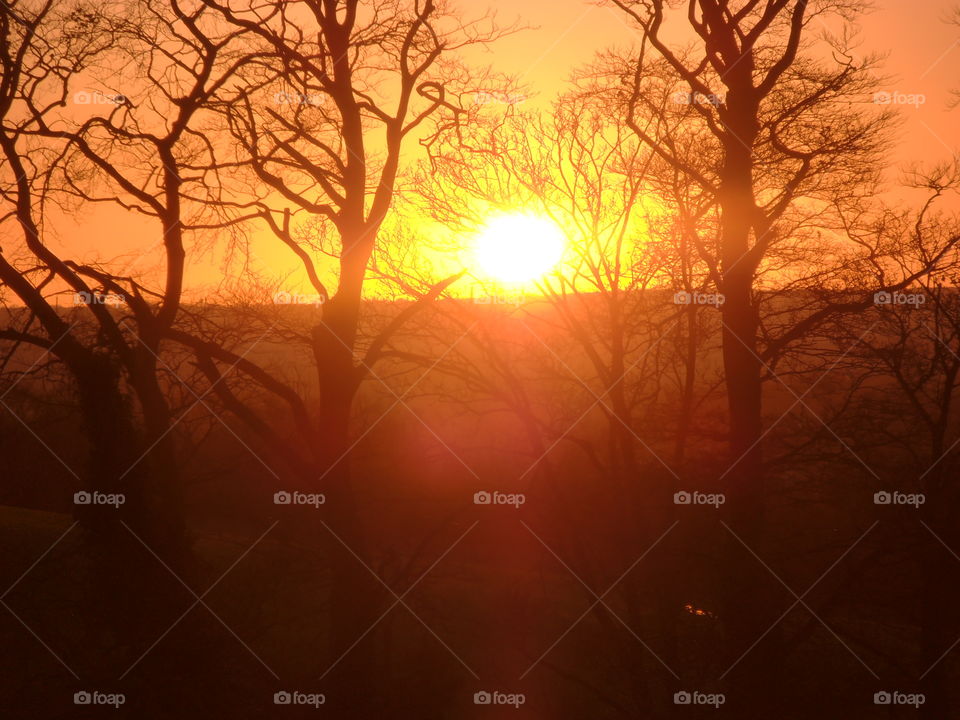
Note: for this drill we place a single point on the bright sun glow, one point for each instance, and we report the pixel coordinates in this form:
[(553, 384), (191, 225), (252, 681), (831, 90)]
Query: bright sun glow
[(519, 248)]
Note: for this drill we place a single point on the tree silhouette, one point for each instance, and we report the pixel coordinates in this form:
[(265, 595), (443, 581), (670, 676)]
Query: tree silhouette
[(783, 142)]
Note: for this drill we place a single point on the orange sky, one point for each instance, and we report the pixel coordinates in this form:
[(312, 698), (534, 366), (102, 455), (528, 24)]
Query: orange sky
[(924, 58)]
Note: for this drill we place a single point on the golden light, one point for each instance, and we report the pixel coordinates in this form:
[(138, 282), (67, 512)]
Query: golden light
[(517, 247)]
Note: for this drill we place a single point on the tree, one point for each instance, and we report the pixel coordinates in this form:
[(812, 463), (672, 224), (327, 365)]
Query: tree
[(601, 338), (787, 139), (320, 126), (30, 90)]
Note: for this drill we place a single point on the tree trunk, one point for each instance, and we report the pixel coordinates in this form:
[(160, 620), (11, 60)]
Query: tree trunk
[(941, 586), (747, 606), (162, 493), (355, 595)]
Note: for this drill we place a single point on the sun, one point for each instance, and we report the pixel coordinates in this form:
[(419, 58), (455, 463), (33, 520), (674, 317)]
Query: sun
[(518, 248)]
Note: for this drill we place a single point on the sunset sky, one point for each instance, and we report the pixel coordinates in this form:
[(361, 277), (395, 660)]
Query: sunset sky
[(923, 60)]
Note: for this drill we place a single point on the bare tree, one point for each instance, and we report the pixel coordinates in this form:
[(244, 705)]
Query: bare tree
[(784, 137), (31, 89), (320, 127), (601, 334)]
